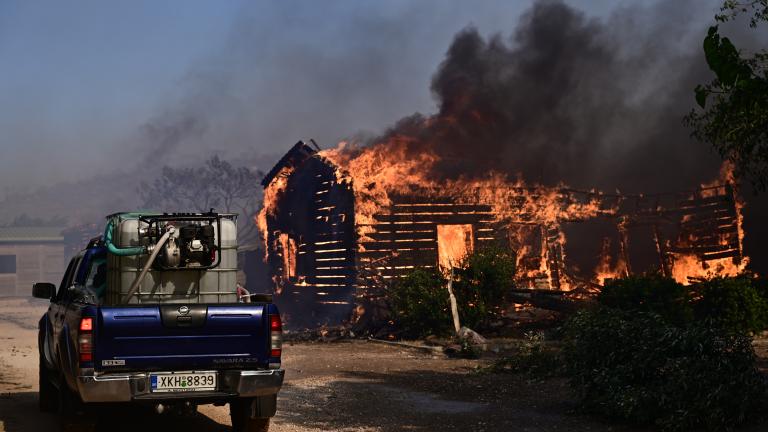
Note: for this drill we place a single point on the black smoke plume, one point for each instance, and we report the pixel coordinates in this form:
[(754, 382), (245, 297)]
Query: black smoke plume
[(568, 99), (585, 102)]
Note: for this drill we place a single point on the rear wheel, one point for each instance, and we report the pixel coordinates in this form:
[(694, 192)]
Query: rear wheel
[(47, 395), (72, 413), (240, 411)]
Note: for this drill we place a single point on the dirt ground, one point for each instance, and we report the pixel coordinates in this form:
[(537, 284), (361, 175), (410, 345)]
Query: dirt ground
[(343, 386)]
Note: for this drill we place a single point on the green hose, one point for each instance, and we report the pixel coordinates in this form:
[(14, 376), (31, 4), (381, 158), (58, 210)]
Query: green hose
[(129, 251)]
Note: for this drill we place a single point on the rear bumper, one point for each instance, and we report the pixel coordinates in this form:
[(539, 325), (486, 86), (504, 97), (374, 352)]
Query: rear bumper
[(136, 386)]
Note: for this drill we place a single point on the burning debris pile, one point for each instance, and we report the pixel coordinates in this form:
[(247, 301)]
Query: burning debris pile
[(341, 223)]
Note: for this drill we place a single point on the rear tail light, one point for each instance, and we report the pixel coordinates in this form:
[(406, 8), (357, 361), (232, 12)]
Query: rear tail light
[(275, 341), (85, 340)]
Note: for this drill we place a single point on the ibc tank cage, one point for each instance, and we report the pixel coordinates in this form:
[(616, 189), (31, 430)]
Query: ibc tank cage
[(197, 262)]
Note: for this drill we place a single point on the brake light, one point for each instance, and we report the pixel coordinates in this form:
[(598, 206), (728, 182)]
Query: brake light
[(275, 338), (85, 340), (275, 324)]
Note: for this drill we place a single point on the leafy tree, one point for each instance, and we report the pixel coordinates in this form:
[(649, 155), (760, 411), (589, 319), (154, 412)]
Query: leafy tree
[(216, 184), (733, 114), (482, 284), (731, 8)]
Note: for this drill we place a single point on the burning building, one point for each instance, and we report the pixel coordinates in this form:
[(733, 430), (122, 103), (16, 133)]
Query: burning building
[(338, 224), (522, 129)]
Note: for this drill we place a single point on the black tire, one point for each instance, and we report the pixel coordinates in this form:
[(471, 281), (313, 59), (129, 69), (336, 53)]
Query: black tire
[(47, 397), (66, 402), (72, 414), (240, 413)]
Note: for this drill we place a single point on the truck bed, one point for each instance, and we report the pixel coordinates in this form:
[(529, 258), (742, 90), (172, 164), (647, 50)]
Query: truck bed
[(170, 337)]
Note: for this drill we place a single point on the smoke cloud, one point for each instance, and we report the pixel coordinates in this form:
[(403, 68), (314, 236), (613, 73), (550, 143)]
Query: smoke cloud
[(557, 96), (581, 101), (592, 103)]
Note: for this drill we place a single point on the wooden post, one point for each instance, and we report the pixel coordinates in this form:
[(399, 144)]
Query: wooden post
[(660, 250), (624, 243), (454, 306)]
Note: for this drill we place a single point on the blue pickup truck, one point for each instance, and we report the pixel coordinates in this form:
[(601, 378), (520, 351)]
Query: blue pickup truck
[(150, 313)]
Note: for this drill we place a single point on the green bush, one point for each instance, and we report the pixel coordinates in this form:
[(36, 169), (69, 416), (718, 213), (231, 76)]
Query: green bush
[(761, 285), (420, 301), (653, 294), (737, 304), (635, 367), (420, 304), (734, 304), (482, 284), (533, 357)]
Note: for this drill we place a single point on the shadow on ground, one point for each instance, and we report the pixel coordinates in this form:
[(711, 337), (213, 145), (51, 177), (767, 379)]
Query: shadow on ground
[(19, 413), (426, 400)]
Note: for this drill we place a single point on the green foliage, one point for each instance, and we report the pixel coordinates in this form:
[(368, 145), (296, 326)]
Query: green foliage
[(733, 304), (731, 8), (481, 284), (655, 351), (761, 286), (738, 305), (734, 107), (420, 304), (420, 301), (633, 366), (654, 294), (534, 358)]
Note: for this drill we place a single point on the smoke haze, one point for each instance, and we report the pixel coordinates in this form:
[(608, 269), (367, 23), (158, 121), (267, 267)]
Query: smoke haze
[(566, 98), (590, 93)]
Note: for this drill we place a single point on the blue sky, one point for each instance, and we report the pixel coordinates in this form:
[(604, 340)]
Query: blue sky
[(77, 77), (80, 80)]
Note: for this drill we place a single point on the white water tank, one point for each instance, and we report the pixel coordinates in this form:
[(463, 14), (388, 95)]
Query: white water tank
[(188, 285)]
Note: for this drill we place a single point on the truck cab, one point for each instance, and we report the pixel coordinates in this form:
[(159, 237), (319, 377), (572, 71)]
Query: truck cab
[(155, 318)]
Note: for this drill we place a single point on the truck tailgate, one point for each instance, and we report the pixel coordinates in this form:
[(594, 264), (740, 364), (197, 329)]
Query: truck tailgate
[(181, 337)]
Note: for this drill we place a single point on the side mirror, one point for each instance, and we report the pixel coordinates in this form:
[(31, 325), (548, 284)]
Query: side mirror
[(44, 290)]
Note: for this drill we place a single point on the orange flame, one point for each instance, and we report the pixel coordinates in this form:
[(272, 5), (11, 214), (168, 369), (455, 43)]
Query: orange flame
[(272, 194), (391, 168), (688, 267), (388, 168)]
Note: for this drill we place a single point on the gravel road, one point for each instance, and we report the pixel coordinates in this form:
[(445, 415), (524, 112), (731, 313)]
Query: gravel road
[(343, 386)]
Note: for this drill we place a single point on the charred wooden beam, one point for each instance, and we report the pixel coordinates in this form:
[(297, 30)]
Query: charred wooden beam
[(548, 299), (436, 218), (436, 208)]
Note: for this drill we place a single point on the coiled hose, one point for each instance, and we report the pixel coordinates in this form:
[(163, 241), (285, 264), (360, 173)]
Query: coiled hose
[(129, 251)]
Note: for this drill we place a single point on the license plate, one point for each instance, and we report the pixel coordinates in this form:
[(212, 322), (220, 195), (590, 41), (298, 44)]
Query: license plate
[(183, 382)]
